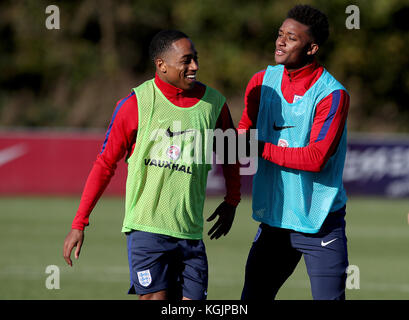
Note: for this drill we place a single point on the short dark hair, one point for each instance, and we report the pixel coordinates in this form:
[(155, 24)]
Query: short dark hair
[(314, 19), (161, 42)]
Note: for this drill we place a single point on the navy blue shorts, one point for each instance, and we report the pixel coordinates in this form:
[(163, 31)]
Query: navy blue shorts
[(276, 252), (159, 262)]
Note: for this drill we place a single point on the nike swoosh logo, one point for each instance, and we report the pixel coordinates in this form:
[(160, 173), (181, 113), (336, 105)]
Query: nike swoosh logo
[(324, 244), (9, 154), (176, 133), (281, 128)]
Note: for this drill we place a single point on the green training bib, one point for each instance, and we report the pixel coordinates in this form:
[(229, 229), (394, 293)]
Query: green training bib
[(167, 172)]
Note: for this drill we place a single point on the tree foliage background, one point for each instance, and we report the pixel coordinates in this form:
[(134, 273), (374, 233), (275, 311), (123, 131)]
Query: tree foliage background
[(73, 77)]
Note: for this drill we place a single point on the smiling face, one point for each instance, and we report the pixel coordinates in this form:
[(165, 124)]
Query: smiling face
[(295, 47), (179, 64)]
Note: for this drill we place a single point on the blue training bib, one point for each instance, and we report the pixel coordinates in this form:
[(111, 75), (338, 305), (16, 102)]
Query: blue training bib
[(289, 198)]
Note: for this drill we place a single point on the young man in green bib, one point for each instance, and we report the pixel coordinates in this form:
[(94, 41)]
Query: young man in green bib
[(158, 127)]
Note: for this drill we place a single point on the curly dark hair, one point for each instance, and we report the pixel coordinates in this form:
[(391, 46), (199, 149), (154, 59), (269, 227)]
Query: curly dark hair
[(161, 42), (314, 19)]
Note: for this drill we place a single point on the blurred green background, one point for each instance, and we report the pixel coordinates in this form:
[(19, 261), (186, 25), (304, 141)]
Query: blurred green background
[(75, 75)]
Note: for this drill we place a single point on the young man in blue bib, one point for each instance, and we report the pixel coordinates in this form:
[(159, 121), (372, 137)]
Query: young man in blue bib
[(300, 111)]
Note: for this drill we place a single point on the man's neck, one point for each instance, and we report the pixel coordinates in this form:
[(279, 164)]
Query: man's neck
[(166, 86), (298, 73), (292, 69)]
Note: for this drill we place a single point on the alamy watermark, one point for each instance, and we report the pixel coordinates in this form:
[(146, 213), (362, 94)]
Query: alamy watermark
[(353, 277), (353, 20), (52, 282), (177, 148), (53, 20)]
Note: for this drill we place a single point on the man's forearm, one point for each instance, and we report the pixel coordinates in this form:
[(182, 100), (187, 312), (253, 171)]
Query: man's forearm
[(97, 181)]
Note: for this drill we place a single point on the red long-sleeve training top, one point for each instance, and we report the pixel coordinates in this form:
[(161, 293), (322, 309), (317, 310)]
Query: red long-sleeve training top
[(120, 140), (328, 125)]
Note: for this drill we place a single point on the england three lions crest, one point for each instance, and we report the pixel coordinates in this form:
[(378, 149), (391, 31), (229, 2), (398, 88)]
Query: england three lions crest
[(144, 278)]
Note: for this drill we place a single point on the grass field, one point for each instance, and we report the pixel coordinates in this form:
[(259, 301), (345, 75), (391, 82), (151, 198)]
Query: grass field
[(33, 230)]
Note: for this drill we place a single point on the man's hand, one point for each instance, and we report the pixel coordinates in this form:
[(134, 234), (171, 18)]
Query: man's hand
[(226, 214), (74, 238)]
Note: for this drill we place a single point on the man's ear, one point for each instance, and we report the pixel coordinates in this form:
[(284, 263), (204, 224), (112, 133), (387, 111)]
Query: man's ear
[(161, 65), (313, 49)]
